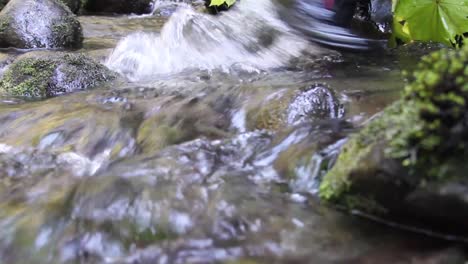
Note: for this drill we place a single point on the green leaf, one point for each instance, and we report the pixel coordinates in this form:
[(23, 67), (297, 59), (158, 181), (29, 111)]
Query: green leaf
[(221, 2), (444, 21)]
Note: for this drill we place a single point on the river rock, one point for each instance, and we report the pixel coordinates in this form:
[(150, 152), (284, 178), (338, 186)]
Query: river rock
[(290, 107), (74, 5), (45, 74), (31, 24), (381, 15), (118, 6), (409, 163), (374, 18), (181, 119)]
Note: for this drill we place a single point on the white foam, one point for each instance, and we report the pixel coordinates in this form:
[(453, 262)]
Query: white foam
[(249, 35)]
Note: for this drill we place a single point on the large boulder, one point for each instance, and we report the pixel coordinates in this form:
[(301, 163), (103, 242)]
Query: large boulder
[(46, 74), (410, 162), (118, 6), (39, 24)]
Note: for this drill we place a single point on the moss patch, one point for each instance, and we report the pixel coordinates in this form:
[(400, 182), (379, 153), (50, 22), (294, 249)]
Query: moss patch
[(48, 76), (421, 138)]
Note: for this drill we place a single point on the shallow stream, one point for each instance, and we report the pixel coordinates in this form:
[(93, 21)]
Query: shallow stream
[(208, 149)]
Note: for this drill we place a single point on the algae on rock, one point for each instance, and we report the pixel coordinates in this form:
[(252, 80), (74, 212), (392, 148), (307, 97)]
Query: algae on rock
[(41, 75), (414, 152)]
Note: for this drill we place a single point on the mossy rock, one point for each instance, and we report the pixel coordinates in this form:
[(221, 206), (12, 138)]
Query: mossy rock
[(291, 107), (41, 75), (410, 161), (28, 24), (117, 6)]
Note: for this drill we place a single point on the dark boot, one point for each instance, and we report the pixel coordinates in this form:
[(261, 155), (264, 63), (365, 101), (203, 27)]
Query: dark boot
[(327, 22)]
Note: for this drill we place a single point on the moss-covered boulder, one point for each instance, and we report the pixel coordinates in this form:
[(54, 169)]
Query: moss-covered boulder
[(118, 6), (410, 162), (291, 107), (31, 24), (46, 74)]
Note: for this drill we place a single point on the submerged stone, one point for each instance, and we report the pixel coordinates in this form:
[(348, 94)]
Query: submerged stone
[(292, 107), (42, 75), (96, 133), (410, 161), (28, 24), (186, 119)]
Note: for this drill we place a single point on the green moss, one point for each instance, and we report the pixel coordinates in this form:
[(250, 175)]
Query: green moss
[(36, 77), (272, 113), (437, 98), (148, 236), (68, 33), (426, 132), (4, 24), (154, 134), (26, 78)]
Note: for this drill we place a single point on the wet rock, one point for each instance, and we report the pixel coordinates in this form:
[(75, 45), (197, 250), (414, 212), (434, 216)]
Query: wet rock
[(410, 162), (307, 151), (118, 6), (30, 24), (381, 14), (291, 107), (374, 18), (74, 5), (42, 75), (177, 120), (98, 134)]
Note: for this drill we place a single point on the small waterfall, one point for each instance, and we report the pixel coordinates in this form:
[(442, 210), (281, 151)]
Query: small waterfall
[(249, 37)]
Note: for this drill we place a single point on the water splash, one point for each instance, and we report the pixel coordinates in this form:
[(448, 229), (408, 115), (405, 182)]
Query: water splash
[(250, 37)]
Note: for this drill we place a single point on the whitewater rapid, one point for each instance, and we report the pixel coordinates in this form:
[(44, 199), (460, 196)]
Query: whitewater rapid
[(250, 36)]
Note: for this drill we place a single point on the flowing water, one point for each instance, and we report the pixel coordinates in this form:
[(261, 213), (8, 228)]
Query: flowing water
[(208, 149)]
